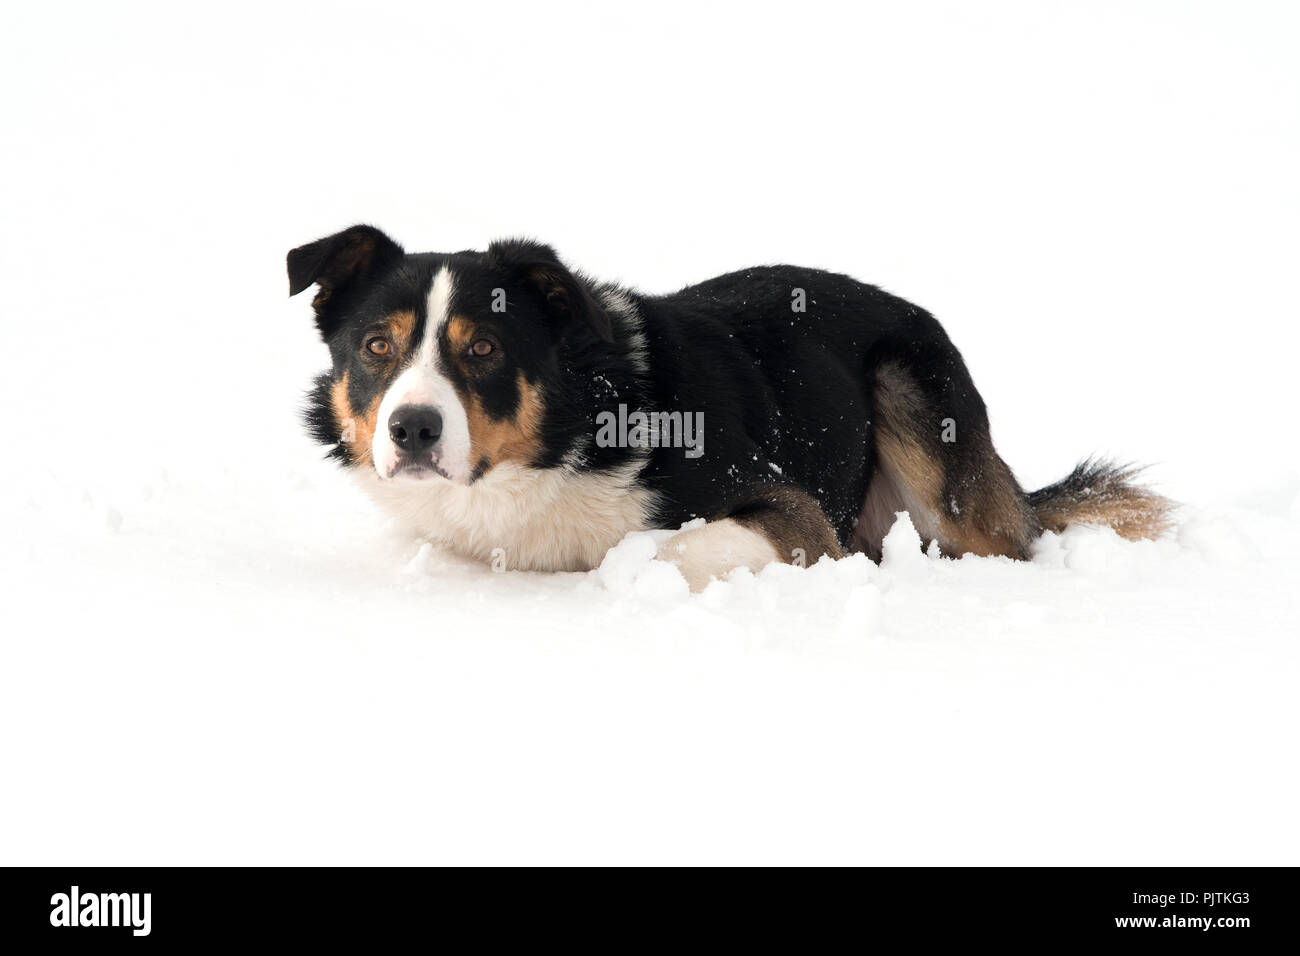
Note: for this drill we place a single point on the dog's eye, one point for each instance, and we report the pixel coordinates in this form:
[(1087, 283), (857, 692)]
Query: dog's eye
[(481, 348), (379, 346)]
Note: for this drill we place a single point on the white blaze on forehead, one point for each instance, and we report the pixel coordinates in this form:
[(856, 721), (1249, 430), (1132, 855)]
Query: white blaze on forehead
[(421, 383), (439, 311)]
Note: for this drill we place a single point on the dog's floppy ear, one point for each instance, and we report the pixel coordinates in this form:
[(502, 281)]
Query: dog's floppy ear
[(568, 297), (339, 262)]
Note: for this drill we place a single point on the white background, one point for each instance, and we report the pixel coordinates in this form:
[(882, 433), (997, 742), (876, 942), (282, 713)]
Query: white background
[(214, 651)]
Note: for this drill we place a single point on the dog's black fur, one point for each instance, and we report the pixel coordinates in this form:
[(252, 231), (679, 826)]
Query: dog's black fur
[(788, 393)]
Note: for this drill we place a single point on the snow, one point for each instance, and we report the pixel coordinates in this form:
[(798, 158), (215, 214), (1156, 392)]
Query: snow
[(215, 651)]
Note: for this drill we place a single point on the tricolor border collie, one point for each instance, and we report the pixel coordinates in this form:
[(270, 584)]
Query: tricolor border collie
[(473, 393)]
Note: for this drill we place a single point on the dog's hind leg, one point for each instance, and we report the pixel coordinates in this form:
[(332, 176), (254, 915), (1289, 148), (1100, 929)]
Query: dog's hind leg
[(772, 523), (935, 459)]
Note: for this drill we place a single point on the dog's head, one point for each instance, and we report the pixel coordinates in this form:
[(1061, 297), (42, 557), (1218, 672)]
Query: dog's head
[(445, 365)]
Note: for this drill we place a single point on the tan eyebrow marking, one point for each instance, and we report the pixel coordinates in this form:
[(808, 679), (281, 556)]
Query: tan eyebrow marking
[(459, 331), (401, 325)]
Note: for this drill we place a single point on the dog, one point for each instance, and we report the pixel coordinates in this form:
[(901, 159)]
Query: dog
[(511, 409)]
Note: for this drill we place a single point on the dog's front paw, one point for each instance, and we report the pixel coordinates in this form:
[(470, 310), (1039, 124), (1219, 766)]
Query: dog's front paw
[(708, 552)]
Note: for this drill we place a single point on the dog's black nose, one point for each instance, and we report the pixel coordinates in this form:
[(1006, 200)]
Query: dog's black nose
[(415, 428)]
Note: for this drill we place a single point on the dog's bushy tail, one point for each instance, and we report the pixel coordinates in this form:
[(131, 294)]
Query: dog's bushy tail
[(1103, 493)]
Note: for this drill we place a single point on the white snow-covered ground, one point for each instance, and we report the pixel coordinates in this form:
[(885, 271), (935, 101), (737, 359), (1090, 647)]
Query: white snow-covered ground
[(214, 651)]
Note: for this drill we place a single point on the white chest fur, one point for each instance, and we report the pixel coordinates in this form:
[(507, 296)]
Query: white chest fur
[(557, 519)]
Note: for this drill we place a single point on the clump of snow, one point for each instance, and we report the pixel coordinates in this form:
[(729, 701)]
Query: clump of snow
[(1094, 550), (901, 547), (625, 562), (630, 568), (418, 566)]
